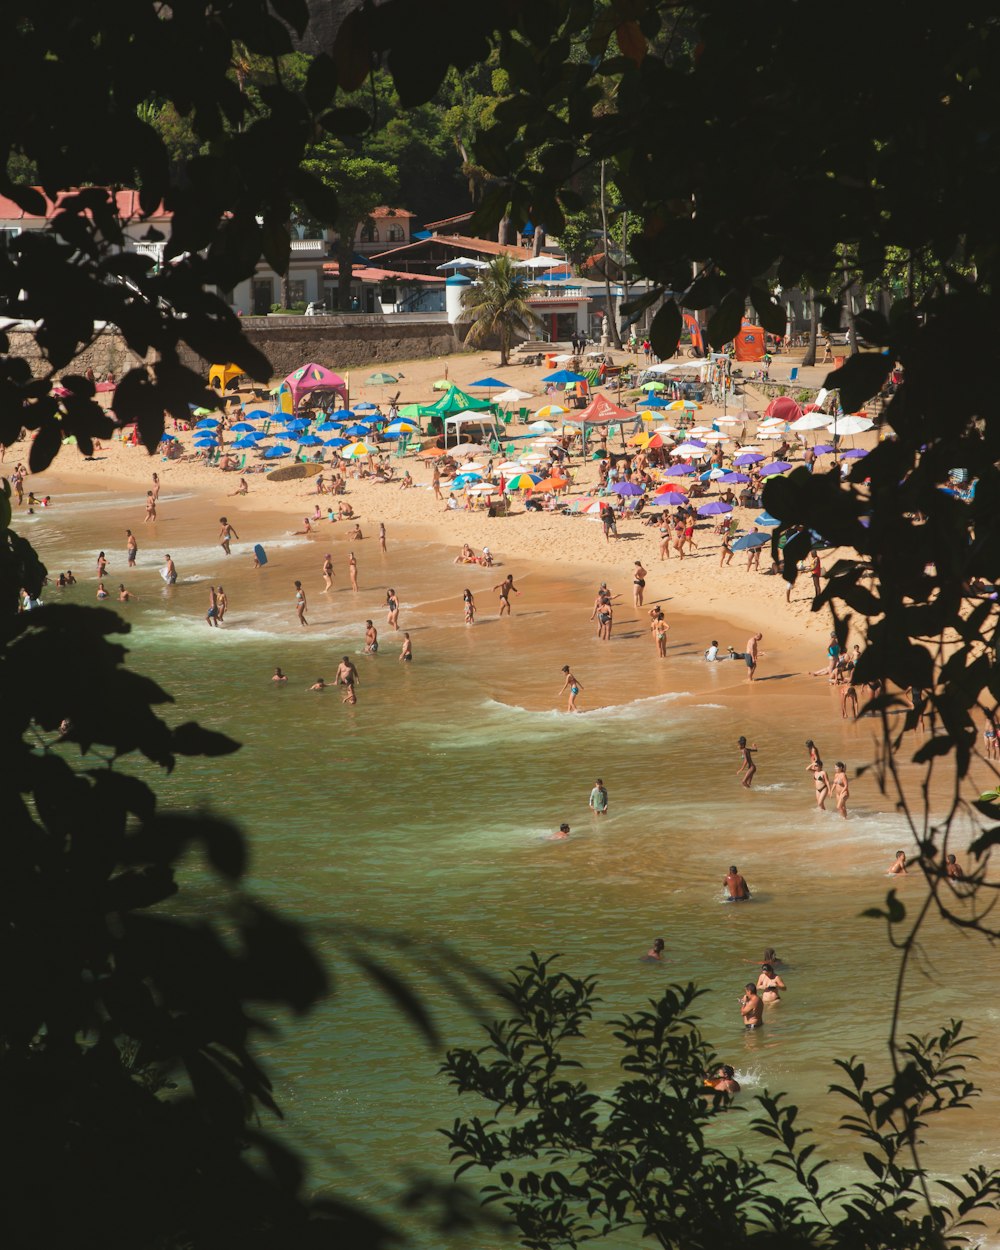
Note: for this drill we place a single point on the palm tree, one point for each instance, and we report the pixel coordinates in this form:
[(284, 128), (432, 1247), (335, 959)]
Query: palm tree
[(498, 306)]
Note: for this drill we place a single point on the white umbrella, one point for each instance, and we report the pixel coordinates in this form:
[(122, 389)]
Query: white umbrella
[(811, 421), (541, 262), (534, 458), (483, 488), (542, 427), (690, 449), (666, 429), (511, 466), (563, 358), (727, 420), (850, 425), (467, 449), (464, 262), (473, 467), (512, 396)]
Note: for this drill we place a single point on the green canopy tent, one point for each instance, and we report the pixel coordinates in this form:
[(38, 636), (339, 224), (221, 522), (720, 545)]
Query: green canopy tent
[(452, 401)]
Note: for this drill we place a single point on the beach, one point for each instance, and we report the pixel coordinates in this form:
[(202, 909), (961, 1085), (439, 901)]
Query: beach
[(425, 813)]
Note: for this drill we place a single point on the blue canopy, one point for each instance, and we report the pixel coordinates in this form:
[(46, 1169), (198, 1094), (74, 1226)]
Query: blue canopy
[(564, 375)]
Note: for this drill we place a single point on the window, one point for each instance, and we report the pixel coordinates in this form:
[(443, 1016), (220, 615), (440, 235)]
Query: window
[(369, 233), (395, 234), (296, 291)]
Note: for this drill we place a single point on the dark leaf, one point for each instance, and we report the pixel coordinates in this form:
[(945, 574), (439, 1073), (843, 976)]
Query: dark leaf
[(665, 329), (403, 996), (859, 378), (725, 322), (771, 314), (193, 739), (45, 446)]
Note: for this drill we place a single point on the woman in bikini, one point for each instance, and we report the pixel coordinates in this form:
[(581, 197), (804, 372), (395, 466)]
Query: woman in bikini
[(470, 606), (638, 583), (574, 688), (748, 767), (822, 783), (768, 984), (664, 537)]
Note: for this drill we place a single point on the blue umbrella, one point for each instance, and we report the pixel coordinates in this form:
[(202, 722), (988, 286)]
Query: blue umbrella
[(279, 449), (328, 427), (336, 442), (766, 519), (258, 413), (341, 414), (310, 440), (679, 470), (359, 431), (715, 508), (748, 457), (695, 442), (563, 375), (731, 479), (491, 383), (243, 444), (627, 488), (168, 438), (776, 466), (365, 407), (299, 423), (656, 401), (207, 423), (241, 427), (750, 540)]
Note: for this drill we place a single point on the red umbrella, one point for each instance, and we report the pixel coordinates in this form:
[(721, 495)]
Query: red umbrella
[(785, 409)]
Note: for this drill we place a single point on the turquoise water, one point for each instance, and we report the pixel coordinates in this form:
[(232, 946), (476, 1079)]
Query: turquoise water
[(425, 813)]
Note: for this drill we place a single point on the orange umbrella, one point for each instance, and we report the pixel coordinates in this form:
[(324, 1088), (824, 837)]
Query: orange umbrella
[(432, 451), (551, 483)]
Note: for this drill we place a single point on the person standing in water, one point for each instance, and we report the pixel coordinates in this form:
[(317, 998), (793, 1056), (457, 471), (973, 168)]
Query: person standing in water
[(769, 983), (470, 606), (822, 783), (747, 767), (222, 602), (504, 588), (346, 672), (279, 676), (655, 952), (406, 652), (226, 534), (381, 537), (131, 548), (840, 789), (327, 573), (169, 571), (352, 569), (300, 604), (371, 639), (574, 688), (750, 654), (752, 1007), (150, 507), (392, 609), (212, 615), (737, 890), (102, 565), (155, 492), (599, 799), (638, 583)]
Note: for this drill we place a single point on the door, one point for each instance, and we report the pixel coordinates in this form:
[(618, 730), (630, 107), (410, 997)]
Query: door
[(263, 293)]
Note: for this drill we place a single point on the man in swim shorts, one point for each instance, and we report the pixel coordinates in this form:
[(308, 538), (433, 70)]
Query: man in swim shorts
[(735, 883), (371, 639), (750, 655), (752, 1007)]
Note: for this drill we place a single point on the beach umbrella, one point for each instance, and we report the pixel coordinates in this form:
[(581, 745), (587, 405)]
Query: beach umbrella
[(562, 376), (850, 425), (380, 379), (357, 450), (550, 410), (365, 407), (776, 466), (523, 481), (534, 457), (258, 414), (822, 449), (241, 427), (715, 508), (853, 453), (298, 423), (810, 421), (657, 401), (168, 438), (748, 457), (653, 386), (483, 488), (428, 453), (512, 396), (542, 427), (336, 442), (667, 430), (679, 470), (203, 412), (464, 479), (627, 488), (669, 498), (690, 449), (279, 449), (733, 479), (766, 519), (491, 384), (784, 408), (244, 444), (551, 483), (712, 475), (402, 427), (357, 431), (329, 427), (681, 405), (310, 440), (750, 540), (210, 423)]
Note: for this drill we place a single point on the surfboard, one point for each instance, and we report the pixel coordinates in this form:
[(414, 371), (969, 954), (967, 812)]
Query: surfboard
[(261, 555)]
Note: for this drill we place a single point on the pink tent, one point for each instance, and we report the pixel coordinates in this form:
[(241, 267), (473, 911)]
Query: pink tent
[(784, 408), (313, 377)]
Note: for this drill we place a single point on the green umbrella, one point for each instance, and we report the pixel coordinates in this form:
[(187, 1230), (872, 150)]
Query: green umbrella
[(204, 412), (380, 379), (441, 384), (652, 386), (409, 411)]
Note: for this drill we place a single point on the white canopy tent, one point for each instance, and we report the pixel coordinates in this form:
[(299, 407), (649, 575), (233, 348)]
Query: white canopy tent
[(482, 424)]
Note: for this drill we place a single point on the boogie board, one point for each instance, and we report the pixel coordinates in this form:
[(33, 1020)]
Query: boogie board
[(260, 554), (165, 575)]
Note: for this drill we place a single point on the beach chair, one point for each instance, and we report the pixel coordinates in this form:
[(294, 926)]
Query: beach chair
[(522, 415), (794, 374)]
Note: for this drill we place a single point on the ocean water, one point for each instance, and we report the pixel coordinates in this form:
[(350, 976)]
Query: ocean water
[(424, 815)]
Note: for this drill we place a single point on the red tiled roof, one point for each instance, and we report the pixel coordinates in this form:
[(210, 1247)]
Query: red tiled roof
[(370, 273), (127, 203), (448, 221), (384, 211), (461, 243)]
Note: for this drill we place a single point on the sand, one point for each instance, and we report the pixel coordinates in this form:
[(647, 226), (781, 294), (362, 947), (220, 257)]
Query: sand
[(742, 602)]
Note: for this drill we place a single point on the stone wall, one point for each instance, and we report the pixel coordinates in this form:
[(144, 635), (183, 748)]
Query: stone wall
[(106, 354)]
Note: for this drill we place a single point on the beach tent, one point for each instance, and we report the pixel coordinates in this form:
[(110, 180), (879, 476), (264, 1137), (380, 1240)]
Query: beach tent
[(220, 376), (749, 342), (311, 380), (600, 412), (483, 424), (452, 401)]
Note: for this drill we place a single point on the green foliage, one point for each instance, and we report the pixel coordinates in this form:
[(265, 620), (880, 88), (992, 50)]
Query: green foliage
[(497, 306), (570, 1165)]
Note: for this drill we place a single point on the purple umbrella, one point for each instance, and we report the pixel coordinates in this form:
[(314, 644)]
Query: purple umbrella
[(627, 488), (853, 453), (670, 498), (731, 479), (748, 457), (822, 449), (680, 470), (696, 442), (776, 466), (716, 508)]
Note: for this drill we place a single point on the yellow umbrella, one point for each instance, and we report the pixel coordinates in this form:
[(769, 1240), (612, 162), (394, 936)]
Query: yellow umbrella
[(550, 410), (680, 405), (648, 416), (640, 440), (356, 450)]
